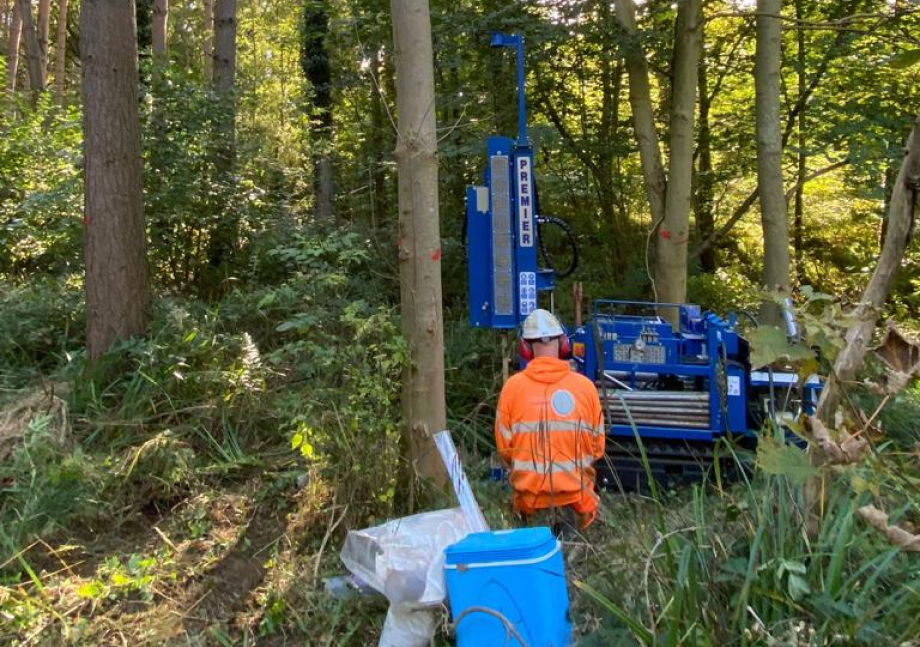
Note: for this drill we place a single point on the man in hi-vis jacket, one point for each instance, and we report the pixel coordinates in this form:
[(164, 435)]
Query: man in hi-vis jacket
[(550, 428)]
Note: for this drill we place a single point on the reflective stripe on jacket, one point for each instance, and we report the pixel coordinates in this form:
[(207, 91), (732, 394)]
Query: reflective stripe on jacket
[(549, 431)]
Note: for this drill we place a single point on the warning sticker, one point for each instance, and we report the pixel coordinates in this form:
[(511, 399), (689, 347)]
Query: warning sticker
[(734, 385), (527, 292)]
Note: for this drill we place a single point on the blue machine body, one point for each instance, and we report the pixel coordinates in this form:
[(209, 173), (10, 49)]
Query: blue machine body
[(687, 384), (504, 279)]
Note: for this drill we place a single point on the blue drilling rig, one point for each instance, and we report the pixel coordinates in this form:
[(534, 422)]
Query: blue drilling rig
[(675, 388)]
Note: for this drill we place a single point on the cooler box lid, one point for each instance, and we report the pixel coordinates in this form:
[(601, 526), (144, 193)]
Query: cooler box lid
[(502, 546)]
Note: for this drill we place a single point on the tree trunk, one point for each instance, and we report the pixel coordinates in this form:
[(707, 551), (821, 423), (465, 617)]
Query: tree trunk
[(224, 238), (44, 29), (12, 51), (224, 46), (674, 232), (640, 99), (160, 17), (801, 158), (60, 53), (705, 219), (897, 236), (419, 244), (33, 52), (315, 65), (117, 293), (769, 157), (208, 40)]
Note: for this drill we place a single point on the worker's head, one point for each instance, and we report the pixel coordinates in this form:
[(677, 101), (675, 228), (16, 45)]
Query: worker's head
[(542, 336)]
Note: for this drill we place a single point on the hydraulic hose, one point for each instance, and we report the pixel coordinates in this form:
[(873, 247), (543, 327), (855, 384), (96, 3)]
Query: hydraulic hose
[(570, 236)]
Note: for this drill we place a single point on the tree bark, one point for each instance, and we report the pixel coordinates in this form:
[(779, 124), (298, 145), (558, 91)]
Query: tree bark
[(12, 51), (897, 236), (33, 51), (314, 62), (640, 100), (117, 293), (769, 157), (224, 45), (60, 53), (160, 18), (208, 40), (224, 239), (44, 29), (703, 205), (419, 244), (674, 232)]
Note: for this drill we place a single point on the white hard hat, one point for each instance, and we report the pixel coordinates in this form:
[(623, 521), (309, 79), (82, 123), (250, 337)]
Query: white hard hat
[(541, 324)]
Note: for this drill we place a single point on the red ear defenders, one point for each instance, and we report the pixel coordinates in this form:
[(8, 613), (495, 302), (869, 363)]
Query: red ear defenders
[(525, 348)]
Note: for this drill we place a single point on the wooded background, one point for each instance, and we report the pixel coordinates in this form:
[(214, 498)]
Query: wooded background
[(208, 258)]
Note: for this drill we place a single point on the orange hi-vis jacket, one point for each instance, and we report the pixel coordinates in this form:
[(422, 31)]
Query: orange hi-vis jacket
[(549, 431)]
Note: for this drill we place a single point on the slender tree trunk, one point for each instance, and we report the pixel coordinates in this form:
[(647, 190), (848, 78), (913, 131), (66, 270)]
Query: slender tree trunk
[(705, 219), (117, 293), (33, 51), (419, 246), (640, 99), (801, 157), (315, 65), (224, 238), (897, 236), (208, 40), (224, 45), (60, 53), (769, 157), (674, 232), (44, 30), (160, 18), (12, 51)]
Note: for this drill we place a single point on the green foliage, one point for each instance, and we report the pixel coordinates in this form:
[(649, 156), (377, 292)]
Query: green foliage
[(40, 323), (41, 188), (43, 484), (726, 290), (769, 344), (188, 196), (741, 566)]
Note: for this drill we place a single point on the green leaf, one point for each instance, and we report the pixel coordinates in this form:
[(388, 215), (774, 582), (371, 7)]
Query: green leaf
[(797, 587), (774, 457), (769, 344), (306, 450), (297, 440), (905, 59), (90, 590), (794, 567)]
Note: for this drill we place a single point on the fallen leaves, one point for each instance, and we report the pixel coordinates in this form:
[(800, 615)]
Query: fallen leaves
[(850, 449), (897, 536)]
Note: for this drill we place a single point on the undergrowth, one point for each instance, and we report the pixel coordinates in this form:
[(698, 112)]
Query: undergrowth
[(238, 440)]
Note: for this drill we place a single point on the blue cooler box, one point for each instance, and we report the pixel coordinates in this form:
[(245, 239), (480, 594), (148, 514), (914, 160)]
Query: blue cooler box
[(518, 573)]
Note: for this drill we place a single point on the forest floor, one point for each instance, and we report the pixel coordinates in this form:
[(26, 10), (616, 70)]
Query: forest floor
[(243, 562), (241, 559)]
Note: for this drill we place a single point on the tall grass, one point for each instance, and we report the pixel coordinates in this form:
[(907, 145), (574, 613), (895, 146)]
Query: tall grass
[(755, 564)]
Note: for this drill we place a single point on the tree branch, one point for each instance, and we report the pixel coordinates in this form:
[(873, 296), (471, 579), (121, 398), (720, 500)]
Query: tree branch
[(749, 201), (897, 237)]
